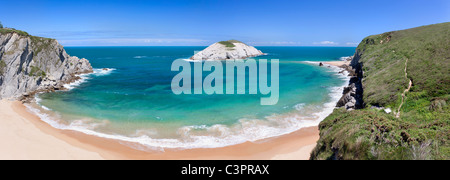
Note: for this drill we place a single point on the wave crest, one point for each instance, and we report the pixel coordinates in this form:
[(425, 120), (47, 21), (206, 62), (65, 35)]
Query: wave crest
[(85, 77)]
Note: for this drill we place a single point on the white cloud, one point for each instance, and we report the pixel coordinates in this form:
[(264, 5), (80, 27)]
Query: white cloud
[(129, 41), (351, 44), (326, 43), (276, 43)]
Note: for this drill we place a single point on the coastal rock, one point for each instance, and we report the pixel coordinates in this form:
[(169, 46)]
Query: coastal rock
[(352, 97), (348, 100), (227, 50), (30, 64), (349, 58)]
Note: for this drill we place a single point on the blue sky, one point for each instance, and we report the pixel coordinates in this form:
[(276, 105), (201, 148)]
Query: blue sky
[(202, 22)]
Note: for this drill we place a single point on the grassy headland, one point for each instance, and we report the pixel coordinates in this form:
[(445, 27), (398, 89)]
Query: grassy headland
[(421, 131)]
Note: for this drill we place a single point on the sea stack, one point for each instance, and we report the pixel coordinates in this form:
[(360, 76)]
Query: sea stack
[(227, 50)]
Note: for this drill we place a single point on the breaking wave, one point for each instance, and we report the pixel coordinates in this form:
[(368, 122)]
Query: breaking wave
[(85, 77)]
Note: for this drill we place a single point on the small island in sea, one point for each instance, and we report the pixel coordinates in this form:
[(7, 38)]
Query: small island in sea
[(227, 50)]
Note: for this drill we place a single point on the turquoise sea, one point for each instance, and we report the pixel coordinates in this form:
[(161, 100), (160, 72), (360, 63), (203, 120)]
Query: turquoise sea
[(132, 100)]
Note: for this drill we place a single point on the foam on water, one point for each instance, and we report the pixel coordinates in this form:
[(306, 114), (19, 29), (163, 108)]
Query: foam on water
[(345, 58), (85, 77), (38, 101), (191, 60), (103, 71)]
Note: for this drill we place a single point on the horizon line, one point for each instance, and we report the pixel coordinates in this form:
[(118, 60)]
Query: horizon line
[(193, 46)]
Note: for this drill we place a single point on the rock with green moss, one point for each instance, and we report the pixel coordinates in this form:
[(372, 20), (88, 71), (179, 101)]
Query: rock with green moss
[(227, 50)]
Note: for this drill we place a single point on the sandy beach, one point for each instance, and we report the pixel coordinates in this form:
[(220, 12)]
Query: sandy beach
[(337, 63), (25, 136), (21, 137)]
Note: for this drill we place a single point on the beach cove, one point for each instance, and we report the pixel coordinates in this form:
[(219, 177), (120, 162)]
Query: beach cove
[(35, 139), (275, 142)]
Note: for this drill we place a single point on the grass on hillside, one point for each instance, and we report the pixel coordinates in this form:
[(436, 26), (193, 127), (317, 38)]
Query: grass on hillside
[(373, 134), (10, 30), (229, 43), (422, 131), (427, 49), (2, 66)]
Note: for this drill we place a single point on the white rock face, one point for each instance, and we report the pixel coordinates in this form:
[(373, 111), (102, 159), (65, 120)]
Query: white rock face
[(219, 51), (32, 64)]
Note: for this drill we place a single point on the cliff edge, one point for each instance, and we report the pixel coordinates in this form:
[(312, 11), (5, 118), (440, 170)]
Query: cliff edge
[(30, 64), (396, 106)]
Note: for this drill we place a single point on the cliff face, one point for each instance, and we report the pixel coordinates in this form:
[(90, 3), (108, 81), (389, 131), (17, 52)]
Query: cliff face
[(30, 64), (352, 97), (227, 50)]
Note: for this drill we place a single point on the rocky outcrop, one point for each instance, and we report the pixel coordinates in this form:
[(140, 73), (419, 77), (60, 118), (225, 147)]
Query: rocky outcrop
[(30, 64), (227, 50), (352, 97)]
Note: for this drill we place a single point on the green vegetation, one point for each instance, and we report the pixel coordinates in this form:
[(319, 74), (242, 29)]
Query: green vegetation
[(11, 30), (2, 66), (427, 50), (1, 25), (229, 43), (35, 71), (40, 43), (35, 39), (422, 131)]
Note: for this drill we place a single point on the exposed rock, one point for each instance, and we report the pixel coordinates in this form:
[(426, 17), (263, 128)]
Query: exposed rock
[(349, 69), (352, 97), (227, 50), (348, 99), (34, 64), (437, 104), (386, 110), (320, 64), (349, 58)]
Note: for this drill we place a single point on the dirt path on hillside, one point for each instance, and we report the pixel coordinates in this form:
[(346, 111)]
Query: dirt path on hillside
[(404, 92)]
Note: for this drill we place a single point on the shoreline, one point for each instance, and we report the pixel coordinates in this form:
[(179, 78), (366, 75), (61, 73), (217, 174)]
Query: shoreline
[(337, 63), (52, 143), (70, 144)]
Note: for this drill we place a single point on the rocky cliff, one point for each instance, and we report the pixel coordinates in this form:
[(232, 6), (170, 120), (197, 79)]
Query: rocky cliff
[(30, 64), (227, 50), (352, 97)]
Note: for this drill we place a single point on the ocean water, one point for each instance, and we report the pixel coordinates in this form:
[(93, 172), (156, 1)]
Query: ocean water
[(133, 101)]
